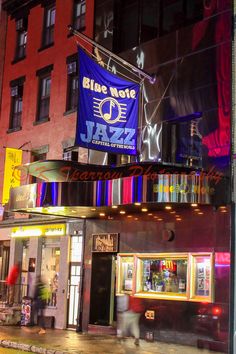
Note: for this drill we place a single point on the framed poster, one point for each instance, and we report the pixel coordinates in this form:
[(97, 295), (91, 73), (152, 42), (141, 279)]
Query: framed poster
[(105, 242)]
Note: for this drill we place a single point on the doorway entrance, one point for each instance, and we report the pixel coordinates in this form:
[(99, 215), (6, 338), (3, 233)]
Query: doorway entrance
[(102, 299), (75, 283), (4, 265)]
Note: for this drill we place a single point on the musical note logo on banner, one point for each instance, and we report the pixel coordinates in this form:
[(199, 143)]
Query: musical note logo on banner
[(107, 109)]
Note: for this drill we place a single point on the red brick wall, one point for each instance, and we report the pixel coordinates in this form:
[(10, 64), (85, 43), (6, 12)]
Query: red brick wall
[(60, 127)]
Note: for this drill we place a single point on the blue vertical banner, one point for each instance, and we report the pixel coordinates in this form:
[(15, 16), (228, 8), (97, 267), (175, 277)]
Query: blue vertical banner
[(107, 117)]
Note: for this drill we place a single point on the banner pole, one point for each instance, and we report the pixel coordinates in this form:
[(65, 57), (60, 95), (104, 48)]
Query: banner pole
[(151, 78)]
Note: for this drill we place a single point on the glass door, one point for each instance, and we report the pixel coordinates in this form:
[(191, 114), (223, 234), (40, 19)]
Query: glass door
[(74, 282)]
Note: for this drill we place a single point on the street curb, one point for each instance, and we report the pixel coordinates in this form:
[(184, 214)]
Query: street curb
[(29, 348)]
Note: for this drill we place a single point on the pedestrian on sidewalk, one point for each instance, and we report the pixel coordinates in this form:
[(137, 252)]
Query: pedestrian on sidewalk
[(122, 306), (130, 319), (41, 297), (11, 281)]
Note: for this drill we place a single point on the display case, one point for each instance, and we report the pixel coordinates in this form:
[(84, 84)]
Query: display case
[(179, 276), (201, 287), (125, 273)]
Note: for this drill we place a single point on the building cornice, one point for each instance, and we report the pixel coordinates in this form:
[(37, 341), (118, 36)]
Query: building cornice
[(16, 7)]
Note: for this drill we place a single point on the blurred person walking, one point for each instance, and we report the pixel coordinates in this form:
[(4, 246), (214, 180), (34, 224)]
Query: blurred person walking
[(41, 297), (11, 282), (129, 323), (122, 306)]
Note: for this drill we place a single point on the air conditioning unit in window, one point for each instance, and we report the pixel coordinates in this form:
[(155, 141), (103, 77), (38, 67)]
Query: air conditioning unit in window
[(71, 68), (70, 155)]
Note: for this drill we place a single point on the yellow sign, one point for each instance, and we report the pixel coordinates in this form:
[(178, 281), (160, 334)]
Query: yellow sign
[(13, 158), (39, 230)]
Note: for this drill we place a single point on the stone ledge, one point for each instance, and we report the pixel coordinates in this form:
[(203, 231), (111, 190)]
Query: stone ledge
[(29, 348)]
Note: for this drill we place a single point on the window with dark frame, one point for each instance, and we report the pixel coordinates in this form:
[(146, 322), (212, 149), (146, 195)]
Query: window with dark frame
[(16, 87), (37, 156), (44, 75), (150, 19), (49, 24), (79, 14), (72, 84), (21, 38)]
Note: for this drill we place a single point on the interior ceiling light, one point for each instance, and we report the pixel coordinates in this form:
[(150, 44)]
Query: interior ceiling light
[(129, 216), (200, 213), (159, 219), (196, 209), (83, 216), (223, 211), (114, 206), (93, 209), (122, 212), (150, 214), (135, 218), (222, 207), (144, 210), (137, 204), (178, 219), (194, 205), (168, 207), (102, 214)]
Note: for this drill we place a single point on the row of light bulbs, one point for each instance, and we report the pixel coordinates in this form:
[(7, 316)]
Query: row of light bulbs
[(167, 207)]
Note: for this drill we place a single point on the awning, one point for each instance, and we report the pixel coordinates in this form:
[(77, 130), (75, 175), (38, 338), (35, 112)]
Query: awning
[(126, 187)]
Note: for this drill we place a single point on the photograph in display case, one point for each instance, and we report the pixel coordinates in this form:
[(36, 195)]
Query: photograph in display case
[(126, 273)]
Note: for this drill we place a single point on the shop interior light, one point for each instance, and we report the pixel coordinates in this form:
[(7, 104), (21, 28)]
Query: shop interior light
[(27, 233), (114, 206), (159, 219), (197, 210), (178, 219), (222, 207), (223, 211), (194, 205), (93, 209), (122, 212), (200, 213), (172, 212), (144, 210), (83, 216), (129, 216), (102, 214), (136, 219), (150, 214), (137, 204), (168, 207)]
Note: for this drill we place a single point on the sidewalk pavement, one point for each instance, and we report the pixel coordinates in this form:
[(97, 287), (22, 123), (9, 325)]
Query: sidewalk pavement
[(69, 342)]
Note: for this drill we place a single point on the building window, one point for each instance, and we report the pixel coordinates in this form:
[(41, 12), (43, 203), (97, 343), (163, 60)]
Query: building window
[(79, 14), (21, 38), (70, 154), (16, 103), (49, 24), (72, 84), (44, 93), (150, 19), (50, 267), (38, 155)]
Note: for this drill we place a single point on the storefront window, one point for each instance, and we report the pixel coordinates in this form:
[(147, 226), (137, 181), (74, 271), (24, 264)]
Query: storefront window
[(182, 276), (50, 268), (164, 275), (126, 274), (202, 274)]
